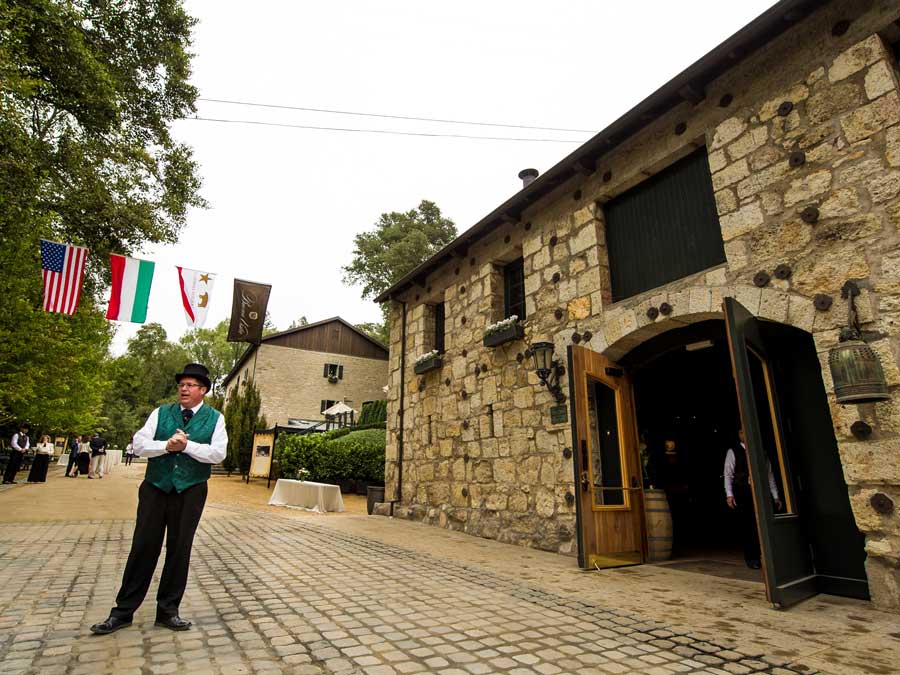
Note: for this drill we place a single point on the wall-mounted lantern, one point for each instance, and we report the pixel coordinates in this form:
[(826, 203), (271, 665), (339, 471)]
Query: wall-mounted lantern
[(855, 368), (547, 368)]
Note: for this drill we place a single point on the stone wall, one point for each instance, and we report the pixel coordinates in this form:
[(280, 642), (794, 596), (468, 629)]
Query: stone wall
[(479, 451), (291, 383)]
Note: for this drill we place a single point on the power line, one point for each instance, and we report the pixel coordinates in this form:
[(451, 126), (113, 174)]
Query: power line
[(382, 131), (392, 117)]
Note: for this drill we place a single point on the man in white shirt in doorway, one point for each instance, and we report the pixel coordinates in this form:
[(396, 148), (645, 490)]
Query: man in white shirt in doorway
[(739, 498)]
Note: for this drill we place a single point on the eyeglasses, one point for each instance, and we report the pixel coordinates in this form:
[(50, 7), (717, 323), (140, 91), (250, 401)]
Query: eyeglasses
[(187, 385)]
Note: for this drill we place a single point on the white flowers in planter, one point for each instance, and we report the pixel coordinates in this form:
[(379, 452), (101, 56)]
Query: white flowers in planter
[(425, 357), (501, 326)]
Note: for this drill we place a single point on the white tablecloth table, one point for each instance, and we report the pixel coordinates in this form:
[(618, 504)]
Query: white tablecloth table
[(318, 497), (113, 457)]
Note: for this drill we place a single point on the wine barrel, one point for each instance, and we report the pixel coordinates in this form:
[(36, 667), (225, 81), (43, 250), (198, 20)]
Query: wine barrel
[(659, 525)]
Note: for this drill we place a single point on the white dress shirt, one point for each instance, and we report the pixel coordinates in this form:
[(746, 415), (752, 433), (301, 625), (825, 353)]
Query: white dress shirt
[(17, 442), (729, 475), (44, 448), (209, 453)]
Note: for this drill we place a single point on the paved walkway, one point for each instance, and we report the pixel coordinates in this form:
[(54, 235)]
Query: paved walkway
[(287, 594)]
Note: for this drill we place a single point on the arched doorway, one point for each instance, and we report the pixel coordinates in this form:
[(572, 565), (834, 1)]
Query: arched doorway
[(697, 385)]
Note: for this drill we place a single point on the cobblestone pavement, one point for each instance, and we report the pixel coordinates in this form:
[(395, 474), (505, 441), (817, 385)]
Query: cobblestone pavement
[(292, 596)]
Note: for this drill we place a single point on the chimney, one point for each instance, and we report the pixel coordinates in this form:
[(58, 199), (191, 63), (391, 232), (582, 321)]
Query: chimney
[(528, 176)]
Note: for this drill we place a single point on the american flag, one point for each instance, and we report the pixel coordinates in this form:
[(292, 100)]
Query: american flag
[(63, 267)]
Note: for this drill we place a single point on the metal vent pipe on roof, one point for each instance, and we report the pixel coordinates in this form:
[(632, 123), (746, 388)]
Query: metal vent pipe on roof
[(528, 176)]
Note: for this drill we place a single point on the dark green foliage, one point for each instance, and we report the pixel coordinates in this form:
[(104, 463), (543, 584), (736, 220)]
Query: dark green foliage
[(399, 242), (374, 411), (88, 91), (377, 331), (330, 456), (242, 419)]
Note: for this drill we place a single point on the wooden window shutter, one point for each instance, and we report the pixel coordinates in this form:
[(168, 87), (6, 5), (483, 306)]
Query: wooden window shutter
[(663, 229), (340, 372), (325, 373), (322, 406)]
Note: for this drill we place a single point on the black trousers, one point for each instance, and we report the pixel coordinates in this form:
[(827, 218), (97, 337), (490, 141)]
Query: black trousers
[(72, 456), (159, 513), (747, 522), (12, 465)]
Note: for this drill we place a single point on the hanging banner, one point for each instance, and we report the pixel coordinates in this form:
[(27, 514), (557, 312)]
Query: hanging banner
[(130, 292), (196, 287), (248, 311)]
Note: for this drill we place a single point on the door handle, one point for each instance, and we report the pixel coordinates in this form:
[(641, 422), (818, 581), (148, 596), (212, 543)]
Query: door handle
[(585, 481)]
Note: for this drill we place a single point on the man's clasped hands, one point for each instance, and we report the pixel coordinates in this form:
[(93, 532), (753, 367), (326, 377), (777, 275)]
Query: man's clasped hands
[(178, 442)]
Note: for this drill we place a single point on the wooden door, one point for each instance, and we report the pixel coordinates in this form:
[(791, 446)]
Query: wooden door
[(609, 493), (786, 555)]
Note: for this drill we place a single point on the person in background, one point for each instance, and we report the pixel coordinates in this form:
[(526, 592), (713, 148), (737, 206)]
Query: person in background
[(43, 453), (20, 445), (73, 456), (739, 497), (129, 454), (83, 460), (98, 455)]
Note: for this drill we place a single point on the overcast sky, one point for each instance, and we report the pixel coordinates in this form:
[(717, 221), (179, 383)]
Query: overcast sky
[(285, 203)]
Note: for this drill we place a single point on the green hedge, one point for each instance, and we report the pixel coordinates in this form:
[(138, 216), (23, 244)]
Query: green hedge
[(342, 453), (372, 412)]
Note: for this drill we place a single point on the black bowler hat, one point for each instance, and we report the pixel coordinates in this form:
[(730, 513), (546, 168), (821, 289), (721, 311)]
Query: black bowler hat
[(198, 371)]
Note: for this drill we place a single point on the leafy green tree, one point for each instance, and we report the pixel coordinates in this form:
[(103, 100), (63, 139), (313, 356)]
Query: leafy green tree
[(242, 419), (210, 347), (379, 331), (398, 244), (140, 380), (298, 323), (88, 89)]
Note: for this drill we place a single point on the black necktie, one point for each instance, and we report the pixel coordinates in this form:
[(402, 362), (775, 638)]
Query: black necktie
[(186, 415)]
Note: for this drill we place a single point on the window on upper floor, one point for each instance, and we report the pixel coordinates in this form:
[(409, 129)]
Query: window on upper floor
[(333, 372), (514, 289), (663, 229), (439, 326)]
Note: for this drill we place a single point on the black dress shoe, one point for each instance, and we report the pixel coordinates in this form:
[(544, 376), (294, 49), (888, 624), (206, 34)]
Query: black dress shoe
[(754, 564), (173, 623), (111, 625)]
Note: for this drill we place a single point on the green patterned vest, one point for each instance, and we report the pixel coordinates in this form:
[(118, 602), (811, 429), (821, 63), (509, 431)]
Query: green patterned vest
[(177, 470)]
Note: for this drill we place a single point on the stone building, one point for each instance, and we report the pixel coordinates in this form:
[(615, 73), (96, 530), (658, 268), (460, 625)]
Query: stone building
[(303, 371), (754, 184)]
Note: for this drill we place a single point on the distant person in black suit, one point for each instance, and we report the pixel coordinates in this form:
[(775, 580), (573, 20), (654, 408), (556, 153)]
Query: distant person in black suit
[(20, 445)]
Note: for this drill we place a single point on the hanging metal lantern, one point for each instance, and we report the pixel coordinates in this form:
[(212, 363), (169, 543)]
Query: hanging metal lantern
[(855, 367)]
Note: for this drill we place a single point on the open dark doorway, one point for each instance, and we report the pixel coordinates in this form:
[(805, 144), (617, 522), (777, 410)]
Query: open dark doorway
[(685, 392), (688, 418)]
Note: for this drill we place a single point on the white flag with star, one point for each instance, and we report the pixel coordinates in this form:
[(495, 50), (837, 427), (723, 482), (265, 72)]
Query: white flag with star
[(196, 287)]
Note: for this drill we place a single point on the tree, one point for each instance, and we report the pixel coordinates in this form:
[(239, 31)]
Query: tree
[(298, 323), (399, 243), (210, 347), (141, 379), (242, 419), (378, 331), (88, 89)]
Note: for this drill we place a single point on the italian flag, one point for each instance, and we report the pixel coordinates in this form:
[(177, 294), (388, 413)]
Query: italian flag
[(131, 279)]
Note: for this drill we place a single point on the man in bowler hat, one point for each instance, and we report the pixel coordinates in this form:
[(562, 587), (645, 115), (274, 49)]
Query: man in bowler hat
[(181, 441)]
